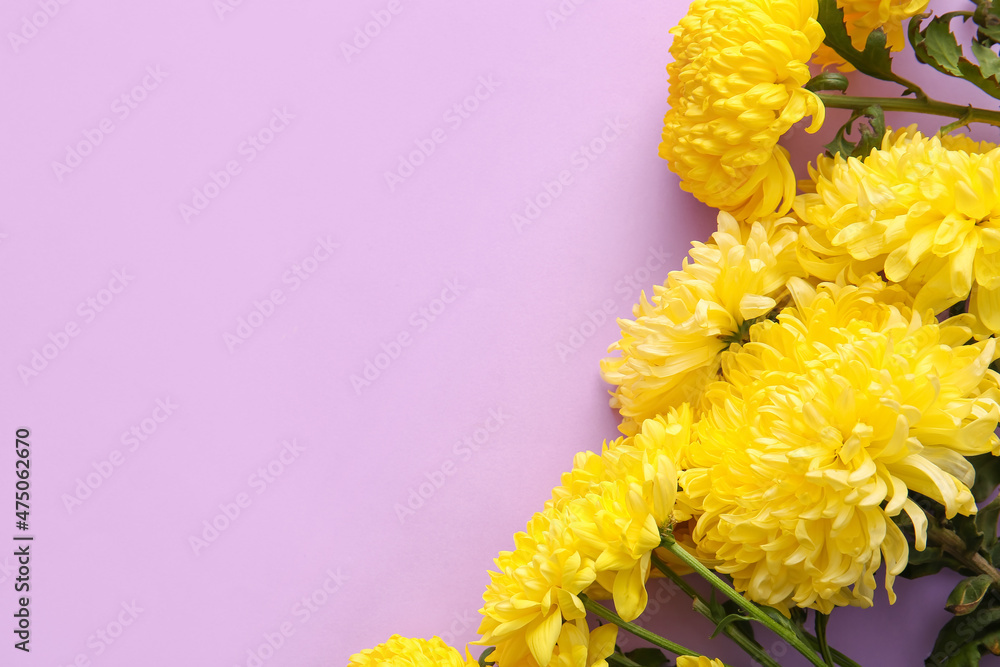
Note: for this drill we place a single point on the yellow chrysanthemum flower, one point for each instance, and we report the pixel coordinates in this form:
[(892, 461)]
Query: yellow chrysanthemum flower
[(700, 661), (595, 535), (926, 211), (671, 351), (405, 652), (735, 88), (536, 588), (862, 17), (618, 523), (578, 646), (828, 419)]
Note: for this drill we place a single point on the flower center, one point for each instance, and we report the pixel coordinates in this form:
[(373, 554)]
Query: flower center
[(741, 335)]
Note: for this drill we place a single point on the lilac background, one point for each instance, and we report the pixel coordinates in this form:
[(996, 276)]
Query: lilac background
[(529, 312)]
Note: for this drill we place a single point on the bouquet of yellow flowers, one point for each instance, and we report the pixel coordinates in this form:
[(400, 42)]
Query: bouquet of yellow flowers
[(812, 398)]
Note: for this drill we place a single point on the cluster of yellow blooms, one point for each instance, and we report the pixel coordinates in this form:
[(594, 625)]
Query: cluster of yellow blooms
[(814, 429), (595, 536), (815, 419), (786, 391)]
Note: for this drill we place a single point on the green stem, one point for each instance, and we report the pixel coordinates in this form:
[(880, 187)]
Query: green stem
[(956, 547), (638, 631), (701, 606), (968, 114), (752, 648), (752, 610), (623, 660), (821, 622), (676, 578), (484, 657)]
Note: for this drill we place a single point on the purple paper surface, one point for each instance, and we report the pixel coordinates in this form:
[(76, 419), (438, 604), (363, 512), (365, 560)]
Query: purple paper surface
[(304, 304)]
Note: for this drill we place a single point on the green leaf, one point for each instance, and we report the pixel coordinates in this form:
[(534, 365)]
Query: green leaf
[(960, 638), (967, 656), (827, 81), (743, 625), (485, 655), (991, 642), (986, 522), (942, 46), (970, 72), (728, 620), (777, 616), (647, 657), (923, 570), (929, 561), (840, 146), (987, 475), (967, 595), (965, 527), (932, 559), (871, 133), (716, 607), (989, 61), (936, 46), (873, 61)]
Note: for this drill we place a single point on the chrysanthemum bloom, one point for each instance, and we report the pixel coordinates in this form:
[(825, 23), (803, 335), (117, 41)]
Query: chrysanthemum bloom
[(830, 417), (735, 88), (670, 352), (926, 211), (618, 522), (405, 652), (535, 590), (595, 535), (862, 17), (700, 661), (578, 646)]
